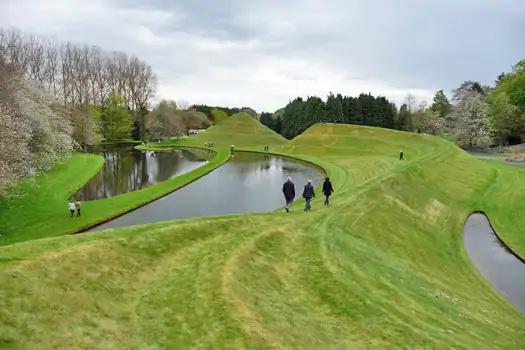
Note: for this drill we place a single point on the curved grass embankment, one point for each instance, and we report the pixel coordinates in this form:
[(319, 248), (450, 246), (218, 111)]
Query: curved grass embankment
[(383, 267), (43, 212)]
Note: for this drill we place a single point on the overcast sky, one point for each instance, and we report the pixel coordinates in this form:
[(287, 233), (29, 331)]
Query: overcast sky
[(263, 53)]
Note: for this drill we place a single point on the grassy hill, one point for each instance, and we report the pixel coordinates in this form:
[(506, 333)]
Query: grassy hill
[(240, 130), (382, 268)]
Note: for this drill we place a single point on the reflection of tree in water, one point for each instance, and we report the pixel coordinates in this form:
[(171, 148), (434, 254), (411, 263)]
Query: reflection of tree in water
[(126, 170)]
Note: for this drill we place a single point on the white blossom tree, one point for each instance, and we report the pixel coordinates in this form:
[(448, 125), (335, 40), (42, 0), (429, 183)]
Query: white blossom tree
[(33, 137), (471, 124)]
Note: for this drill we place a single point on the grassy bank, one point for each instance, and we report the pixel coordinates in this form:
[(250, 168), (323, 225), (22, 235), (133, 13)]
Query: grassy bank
[(382, 268), (241, 130), (43, 212)]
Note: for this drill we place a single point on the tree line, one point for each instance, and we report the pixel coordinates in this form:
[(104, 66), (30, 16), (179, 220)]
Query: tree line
[(86, 80), (475, 116)]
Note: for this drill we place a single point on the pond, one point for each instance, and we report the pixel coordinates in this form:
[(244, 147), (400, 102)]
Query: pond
[(126, 169), (501, 268), (248, 183)]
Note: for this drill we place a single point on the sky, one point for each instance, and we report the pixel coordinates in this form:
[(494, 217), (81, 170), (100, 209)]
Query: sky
[(262, 54)]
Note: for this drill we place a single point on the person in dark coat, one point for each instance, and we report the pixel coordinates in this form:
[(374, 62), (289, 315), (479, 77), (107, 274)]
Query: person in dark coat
[(327, 190), (289, 193), (308, 193), (401, 156)]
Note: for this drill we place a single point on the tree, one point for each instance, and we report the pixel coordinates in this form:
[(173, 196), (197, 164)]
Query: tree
[(278, 125), (506, 120), (85, 120), (163, 122), (441, 105), (116, 118), (471, 123), (79, 75), (404, 117), (267, 119), (411, 103), (33, 136), (334, 109)]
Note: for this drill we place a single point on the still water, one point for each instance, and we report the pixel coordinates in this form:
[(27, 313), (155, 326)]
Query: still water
[(502, 269), (248, 183), (126, 169)]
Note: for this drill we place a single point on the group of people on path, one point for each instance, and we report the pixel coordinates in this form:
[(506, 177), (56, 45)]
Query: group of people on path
[(74, 206), (308, 193)]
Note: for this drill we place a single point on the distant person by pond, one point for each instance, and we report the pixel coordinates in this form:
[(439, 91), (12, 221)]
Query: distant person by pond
[(327, 190), (289, 193), (72, 207), (231, 150), (401, 156), (77, 206), (308, 194), (266, 148)]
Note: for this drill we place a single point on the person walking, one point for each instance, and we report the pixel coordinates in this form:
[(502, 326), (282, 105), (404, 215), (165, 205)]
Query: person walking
[(401, 157), (289, 193), (231, 150), (308, 193), (71, 207), (77, 206), (327, 190)]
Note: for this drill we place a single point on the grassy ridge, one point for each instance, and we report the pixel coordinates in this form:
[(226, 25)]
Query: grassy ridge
[(383, 268), (43, 212), (241, 130)]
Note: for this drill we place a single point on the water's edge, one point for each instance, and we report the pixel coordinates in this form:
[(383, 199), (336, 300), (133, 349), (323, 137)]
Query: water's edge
[(86, 228), (496, 262), (501, 241)]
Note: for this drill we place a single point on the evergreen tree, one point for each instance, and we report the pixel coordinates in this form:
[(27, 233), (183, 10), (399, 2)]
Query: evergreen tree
[(334, 109), (403, 118), (267, 119)]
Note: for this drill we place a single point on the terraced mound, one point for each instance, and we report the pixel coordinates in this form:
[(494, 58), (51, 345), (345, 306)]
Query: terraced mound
[(240, 130), (382, 268)]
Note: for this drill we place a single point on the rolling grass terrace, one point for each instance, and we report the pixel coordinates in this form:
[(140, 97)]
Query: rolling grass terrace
[(241, 130), (383, 267)]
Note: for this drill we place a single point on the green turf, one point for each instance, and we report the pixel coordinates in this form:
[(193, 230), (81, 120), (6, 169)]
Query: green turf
[(383, 267), (43, 212), (241, 130)]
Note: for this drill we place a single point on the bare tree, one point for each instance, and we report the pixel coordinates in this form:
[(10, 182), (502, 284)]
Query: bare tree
[(79, 74), (411, 103)]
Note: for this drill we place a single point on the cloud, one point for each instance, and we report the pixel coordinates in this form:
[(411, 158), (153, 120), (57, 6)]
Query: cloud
[(264, 53)]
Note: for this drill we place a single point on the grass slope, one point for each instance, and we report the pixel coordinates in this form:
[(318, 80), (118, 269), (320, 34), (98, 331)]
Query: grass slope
[(43, 212), (241, 130), (382, 268)]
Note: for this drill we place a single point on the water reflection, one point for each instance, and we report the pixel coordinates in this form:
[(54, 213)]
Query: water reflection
[(126, 169), (493, 260), (248, 183)]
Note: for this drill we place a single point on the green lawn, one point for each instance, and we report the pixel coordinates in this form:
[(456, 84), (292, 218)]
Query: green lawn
[(241, 130), (43, 211), (383, 267)]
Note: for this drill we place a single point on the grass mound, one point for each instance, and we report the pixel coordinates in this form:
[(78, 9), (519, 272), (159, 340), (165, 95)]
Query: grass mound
[(241, 130), (383, 267)]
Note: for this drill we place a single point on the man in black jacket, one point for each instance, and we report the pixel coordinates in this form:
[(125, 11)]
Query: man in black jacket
[(308, 193), (289, 193), (327, 190)]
